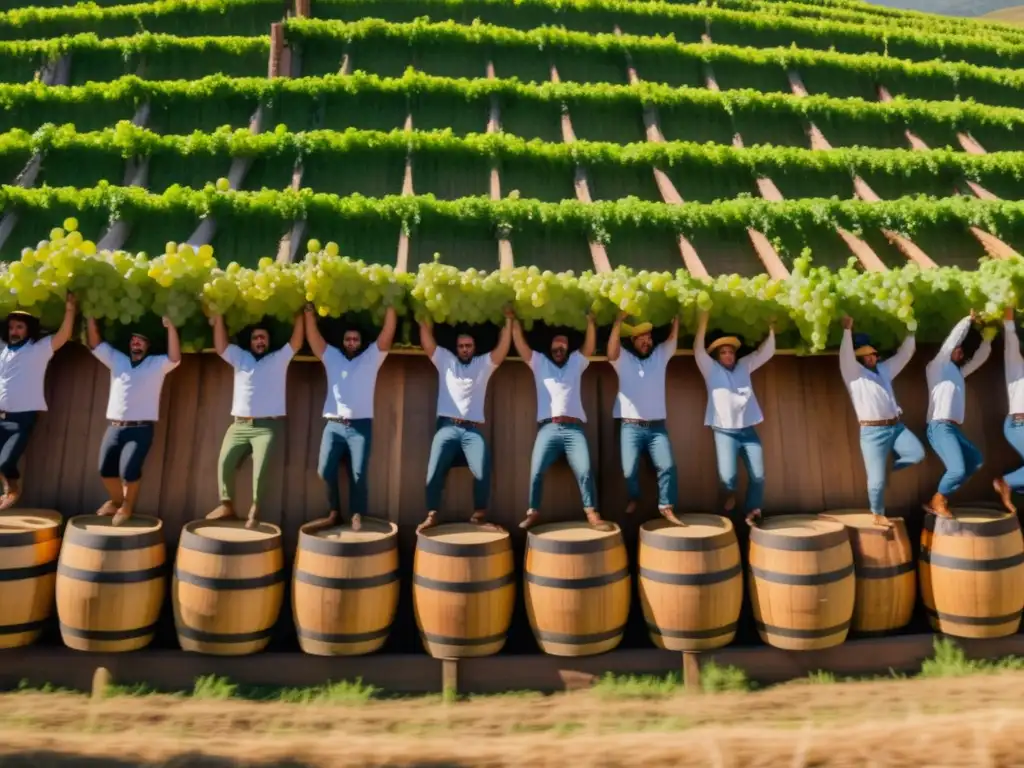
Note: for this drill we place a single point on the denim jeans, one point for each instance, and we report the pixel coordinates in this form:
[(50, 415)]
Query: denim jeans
[(556, 440), (958, 454), (876, 443), (452, 441), (730, 445), (338, 440), (1014, 434), (15, 431), (634, 440), (123, 451)]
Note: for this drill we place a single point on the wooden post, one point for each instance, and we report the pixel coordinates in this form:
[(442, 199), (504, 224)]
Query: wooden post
[(449, 679), (302, 8), (276, 49), (691, 672)]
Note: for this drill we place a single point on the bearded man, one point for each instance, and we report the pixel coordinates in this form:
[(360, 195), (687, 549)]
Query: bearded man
[(133, 408), (258, 409)]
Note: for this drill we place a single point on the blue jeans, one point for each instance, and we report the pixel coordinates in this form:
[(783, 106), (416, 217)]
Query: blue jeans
[(14, 433), (1014, 434), (556, 440), (451, 442), (338, 440), (123, 451), (876, 443), (730, 445), (959, 455), (634, 440)]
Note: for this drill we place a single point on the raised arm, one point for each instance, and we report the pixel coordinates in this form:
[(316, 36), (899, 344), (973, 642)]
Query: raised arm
[(978, 358), (313, 335), (92, 333), (590, 340), (63, 335), (173, 342), (220, 334), (954, 339), (386, 337), (895, 364), (298, 332), (672, 342), (1013, 362), (700, 353), (500, 352), (848, 364), (427, 338), (763, 353), (519, 341), (614, 348)]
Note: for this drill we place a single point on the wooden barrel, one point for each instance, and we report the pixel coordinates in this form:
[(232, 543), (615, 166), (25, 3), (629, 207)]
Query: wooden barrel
[(691, 582), (463, 590), (577, 588), (345, 588), (29, 543), (972, 573), (801, 582), (111, 583), (883, 563), (228, 586)]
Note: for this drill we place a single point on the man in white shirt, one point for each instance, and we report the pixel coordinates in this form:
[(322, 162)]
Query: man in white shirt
[(348, 410), (946, 395), (258, 408), (560, 416), (133, 408), (461, 391), (24, 357), (733, 412), (640, 404), (1013, 427), (869, 383)]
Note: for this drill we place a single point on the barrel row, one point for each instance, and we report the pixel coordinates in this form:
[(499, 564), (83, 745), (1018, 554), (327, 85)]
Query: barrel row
[(812, 579)]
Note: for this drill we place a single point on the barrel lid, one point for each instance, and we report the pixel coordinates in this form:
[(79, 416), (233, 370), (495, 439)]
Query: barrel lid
[(370, 530), (861, 519), (699, 532), (95, 532), (980, 521), (231, 530), (573, 538), (978, 514), (799, 532), (22, 527), (462, 540)]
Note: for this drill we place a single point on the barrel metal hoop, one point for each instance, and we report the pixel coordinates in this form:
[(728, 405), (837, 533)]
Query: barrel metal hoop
[(222, 585), (331, 582), (464, 587), (966, 564), (431, 546), (112, 577), (566, 639), (107, 634), (802, 634), (692, 634), (655, 540), (996, 526), (884, 571), (974, 621), (539, 543), (321, 546), (196, 543), (815, 543), (28, 572), (588, 582), (692, 579), (465, 642), (802, 579), (17, 629), (341, 637), (116, 543), (29, 538), (218, 637)]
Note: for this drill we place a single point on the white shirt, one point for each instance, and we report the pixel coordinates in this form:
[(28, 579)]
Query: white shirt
[(134, 391), (461, 387), (871, 391), (259, 391), (22, 373), (1014, 366), (558, 388), (732, 403), (642, 383), (351, 383), (946, 385)]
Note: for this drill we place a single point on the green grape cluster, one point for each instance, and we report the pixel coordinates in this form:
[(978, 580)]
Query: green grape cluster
[(808, 297), (337, 284), (271, 290), (444, 294), (882, 303), (553, 298), (644, 296)]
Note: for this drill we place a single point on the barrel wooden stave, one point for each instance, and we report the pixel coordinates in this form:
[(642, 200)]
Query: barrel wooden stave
[(972, 573), (228, 587), (463, 590), (577, 588), (345, 588), (802, 585), (886, 579), (29, 544), (110, 583), (690, 582)]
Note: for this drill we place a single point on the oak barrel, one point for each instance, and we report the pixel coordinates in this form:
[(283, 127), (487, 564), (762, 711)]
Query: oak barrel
[(345, 587), (883, 563), (463, 589), (577, 588), (111, 583), (29, 543), (691, 582), (228, 586), (801, 582), (972, 573)]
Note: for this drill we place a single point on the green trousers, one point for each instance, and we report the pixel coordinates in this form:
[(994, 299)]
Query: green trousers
[(240, 440)]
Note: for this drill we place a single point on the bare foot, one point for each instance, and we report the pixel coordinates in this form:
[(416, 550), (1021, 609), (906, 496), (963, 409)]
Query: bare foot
[(254, 517), (357, 521), (480, 518), (670, 514), (428, 522), (123, 515), (225, 511), (109, 508), (730, 504), (532, 515), (753, 518), (631, 508), (1005, 494), (596, 522), (882, 521), (12, 492)]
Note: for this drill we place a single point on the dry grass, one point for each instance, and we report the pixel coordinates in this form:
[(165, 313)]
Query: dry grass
[(1012, 15)]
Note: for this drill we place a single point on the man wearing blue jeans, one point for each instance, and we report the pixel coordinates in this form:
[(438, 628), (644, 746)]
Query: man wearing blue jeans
[(869, 383), (560, 417), (640, 404), (1013, 428), (946, 396), (733, 412), (461, 391), (348, 411)]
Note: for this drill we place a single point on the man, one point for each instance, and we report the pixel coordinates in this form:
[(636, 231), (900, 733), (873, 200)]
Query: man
[(869, 383), (257, 408), (946, 395), (133, 408), (640, 404), (560, 416), (1013, 428), (348, 410), (24, 358), (733, 412), (461, 390)]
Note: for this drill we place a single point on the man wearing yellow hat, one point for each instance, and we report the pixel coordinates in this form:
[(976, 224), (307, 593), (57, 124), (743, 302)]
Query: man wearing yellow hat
[(733, 412), (869, 383), (640, 404), (24, 358)]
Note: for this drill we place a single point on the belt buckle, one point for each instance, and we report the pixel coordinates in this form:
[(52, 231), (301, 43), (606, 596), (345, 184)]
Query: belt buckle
[(3, 415)]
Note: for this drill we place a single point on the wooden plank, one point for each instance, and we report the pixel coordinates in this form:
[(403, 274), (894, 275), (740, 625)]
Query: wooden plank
[(506, 258), (136, 174)]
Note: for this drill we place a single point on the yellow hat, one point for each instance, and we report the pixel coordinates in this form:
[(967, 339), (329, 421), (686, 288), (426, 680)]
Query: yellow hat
[(21, 313), (725, 341), (636, 330), (867, 349)]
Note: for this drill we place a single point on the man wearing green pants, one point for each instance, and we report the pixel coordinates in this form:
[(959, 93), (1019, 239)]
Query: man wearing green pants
[(257, 409)]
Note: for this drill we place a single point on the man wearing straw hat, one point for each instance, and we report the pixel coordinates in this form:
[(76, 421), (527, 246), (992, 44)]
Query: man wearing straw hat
[(258, 408), (869, 383), (560, 418), (946, 375), (640, 405), (133, 407), (1013, 427), (733, 412), (24, 358)]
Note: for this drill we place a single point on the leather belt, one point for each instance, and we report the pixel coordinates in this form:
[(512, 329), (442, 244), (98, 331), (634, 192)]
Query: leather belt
[(251, 419), (131, 423), (5, 414), (646, 423), (881, 423), (561, 420), (463, 422), (1017, 418), (339, 420)]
